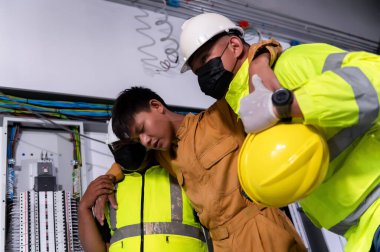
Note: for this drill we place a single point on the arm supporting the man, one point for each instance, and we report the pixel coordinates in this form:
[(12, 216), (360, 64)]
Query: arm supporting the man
[(261, 66), (89, 234), (101, 201), (264, 54)]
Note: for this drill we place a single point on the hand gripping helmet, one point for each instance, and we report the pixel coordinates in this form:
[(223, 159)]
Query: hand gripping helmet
[(197, 30), (129, 155), (282, 164)]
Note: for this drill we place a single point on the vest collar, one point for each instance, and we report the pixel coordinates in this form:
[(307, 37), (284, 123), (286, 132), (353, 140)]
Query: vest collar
[(239, 86)]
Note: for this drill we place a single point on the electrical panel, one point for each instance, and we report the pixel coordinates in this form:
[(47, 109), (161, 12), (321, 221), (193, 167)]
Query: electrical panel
[(41, 184)]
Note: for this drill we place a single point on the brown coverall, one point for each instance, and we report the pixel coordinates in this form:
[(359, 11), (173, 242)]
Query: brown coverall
[(205, 163)]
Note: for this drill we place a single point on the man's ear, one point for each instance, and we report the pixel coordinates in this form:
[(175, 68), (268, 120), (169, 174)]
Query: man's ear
[(237, 46), (156, 105)]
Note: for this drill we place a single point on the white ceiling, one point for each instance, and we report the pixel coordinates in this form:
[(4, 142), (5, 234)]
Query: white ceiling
[(361, 18), (350, 24)]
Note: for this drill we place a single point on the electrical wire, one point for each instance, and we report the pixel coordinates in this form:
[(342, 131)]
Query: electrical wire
[(171, 59), (150, 67), (76, 140), (60, 104), (79, 112), (43, 117), (172, 53)]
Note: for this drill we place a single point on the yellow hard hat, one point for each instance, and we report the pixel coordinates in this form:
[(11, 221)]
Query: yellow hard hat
[(282, 164)]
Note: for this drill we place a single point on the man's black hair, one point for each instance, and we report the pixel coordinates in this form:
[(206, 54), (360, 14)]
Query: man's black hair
[(130, 102)]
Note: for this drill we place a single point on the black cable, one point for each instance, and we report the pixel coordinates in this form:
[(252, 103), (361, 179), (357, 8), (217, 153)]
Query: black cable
[(51, 121)]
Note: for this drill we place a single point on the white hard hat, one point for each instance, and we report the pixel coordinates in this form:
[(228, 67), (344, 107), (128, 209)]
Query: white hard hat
[(197, 30), (111, 137)]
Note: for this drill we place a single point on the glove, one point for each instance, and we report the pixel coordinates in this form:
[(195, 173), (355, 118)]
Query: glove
[(256, 109)]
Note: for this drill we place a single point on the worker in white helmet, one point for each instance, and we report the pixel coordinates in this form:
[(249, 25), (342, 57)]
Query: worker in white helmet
[(336, 91)]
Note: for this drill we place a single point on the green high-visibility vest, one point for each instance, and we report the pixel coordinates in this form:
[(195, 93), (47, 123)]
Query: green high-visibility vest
[(339, 93), (153, 206)]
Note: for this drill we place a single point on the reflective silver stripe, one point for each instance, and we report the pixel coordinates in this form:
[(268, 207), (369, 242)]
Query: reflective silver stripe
[(175, 227), (334, 61), (368, 104), (353, 218), (176, 200), (366, 98), (151, 228), (113, 221), (126, 232)]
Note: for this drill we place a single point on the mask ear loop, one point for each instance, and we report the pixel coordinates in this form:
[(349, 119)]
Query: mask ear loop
[(225, 48)]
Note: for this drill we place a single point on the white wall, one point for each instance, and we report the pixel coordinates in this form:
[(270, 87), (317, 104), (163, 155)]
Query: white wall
[(360, 18), (98, 156), (90, 47), (87, 47)]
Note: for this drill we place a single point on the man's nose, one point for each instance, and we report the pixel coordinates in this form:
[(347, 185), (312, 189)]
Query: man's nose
[(145, 140)]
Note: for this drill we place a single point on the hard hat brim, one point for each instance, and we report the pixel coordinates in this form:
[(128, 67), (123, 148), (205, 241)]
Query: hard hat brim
[(185, 67)]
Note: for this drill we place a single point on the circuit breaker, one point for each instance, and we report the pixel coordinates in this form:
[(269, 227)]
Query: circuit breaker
[(41, 184)]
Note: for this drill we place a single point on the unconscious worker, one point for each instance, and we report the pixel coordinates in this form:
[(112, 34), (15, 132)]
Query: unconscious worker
[(201, 151)]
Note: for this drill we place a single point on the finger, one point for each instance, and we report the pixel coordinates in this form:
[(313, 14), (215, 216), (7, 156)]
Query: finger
[(112, 178), (257, 82), (105, 178), (96, 185), (99, 208), (102, 181), (112, 200), (104, 191), (105, 185)]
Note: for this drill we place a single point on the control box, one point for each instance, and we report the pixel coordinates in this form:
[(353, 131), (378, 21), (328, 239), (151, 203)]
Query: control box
[(41, 183)]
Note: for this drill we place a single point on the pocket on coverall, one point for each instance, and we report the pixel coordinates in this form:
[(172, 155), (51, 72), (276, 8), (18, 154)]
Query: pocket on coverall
[(271, 231)]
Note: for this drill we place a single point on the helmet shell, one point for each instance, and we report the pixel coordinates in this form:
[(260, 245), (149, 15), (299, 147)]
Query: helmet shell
[(197, 30), (282, 164)]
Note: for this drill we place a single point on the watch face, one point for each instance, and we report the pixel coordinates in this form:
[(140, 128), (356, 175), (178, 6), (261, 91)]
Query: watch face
[(282, 97)]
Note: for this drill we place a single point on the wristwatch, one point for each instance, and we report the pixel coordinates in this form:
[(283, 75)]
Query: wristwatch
[(282, 99)]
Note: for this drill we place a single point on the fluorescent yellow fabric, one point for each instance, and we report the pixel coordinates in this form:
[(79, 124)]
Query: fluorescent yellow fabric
[(360, 237), (239, 86), (153, 183), (320, 95), (130, 244), (157, 208), (328, 102), (131, 188), (159, 243)]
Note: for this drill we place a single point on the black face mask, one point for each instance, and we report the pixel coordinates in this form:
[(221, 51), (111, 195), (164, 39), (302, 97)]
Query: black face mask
[(130, 157), (213, 79)]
